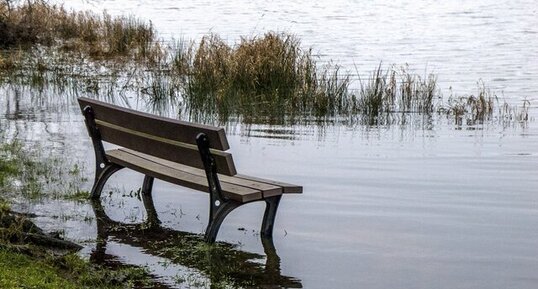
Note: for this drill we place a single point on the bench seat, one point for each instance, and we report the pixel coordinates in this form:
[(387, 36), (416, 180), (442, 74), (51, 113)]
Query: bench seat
[(240, 188)]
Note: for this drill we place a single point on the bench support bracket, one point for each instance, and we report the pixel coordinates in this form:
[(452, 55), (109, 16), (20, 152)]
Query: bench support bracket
[(101, 178), (216, 217), (219, 206), (103, 168)]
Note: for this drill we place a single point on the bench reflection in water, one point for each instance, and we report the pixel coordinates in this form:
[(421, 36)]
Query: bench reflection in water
[(219, 261)]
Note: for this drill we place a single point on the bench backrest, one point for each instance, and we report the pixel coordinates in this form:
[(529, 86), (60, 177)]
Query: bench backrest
[(162, 137)]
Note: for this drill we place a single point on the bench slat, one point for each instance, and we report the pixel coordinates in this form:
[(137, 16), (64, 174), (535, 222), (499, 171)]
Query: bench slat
[(287, 188), (160, 126), (182, 178), (164, 148), (268, 190)]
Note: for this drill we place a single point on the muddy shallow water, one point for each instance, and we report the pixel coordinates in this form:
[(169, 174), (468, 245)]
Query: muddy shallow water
[(428, 204)]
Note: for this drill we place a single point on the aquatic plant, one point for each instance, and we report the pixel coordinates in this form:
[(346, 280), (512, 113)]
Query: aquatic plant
[(472, 108), (267, 78), (375, 96), (36, 22), (397, 91), (267, 75)]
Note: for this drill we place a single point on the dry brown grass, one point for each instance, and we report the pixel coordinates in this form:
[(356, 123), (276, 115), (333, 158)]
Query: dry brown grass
[(263, 77), (397, 91), (36, 22), (270, 74)]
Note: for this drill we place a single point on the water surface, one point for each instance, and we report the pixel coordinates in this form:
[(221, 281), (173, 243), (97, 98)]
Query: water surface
[(427, 204)]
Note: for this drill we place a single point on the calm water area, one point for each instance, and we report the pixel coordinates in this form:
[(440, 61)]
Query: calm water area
[(425, 204)]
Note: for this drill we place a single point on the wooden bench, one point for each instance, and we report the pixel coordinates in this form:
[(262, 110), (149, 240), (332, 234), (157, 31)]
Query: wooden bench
[(183, 153)]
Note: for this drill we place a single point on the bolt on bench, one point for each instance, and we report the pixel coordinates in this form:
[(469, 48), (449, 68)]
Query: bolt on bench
[(183, 153)]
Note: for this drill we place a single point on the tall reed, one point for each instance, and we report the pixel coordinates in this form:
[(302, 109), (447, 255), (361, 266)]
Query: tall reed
[(397, 91), (268, 77), (260, 75), (35, 22)]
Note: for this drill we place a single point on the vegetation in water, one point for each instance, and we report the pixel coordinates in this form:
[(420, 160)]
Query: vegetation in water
[(25, 173), (36, 22), (266, 78), (31, 258), (260, 76)]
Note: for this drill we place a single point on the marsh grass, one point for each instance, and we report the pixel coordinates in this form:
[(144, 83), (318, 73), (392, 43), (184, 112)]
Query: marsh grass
[(25, 173), (518, 114), (265, 75), (267, 78), (36, 22), (397, 91), (474, 108)]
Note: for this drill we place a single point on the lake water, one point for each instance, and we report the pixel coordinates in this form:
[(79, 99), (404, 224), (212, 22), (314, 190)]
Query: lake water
[(421, 205)]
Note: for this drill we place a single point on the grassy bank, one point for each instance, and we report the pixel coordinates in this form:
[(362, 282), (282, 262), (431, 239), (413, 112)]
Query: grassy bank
[(31, 258), (31, 267)]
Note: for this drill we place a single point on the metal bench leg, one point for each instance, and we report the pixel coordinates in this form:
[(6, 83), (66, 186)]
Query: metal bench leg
[(103, 168), (147, 188), (269, 216), (216, 217), (102, 177)]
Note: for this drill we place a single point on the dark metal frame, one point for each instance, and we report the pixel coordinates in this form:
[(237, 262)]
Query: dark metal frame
[(219, 205), (103, 168)]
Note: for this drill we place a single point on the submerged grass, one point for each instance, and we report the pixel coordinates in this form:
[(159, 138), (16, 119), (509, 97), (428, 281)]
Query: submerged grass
[(25, 263), (267, 75), (217, 265), (24, 173)]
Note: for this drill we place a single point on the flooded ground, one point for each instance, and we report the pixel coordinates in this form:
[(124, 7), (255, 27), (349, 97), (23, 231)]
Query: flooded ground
[(425, 204)]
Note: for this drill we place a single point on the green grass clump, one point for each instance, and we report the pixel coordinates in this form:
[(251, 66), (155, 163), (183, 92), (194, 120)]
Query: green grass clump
[(21, 271), (38, 269)]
